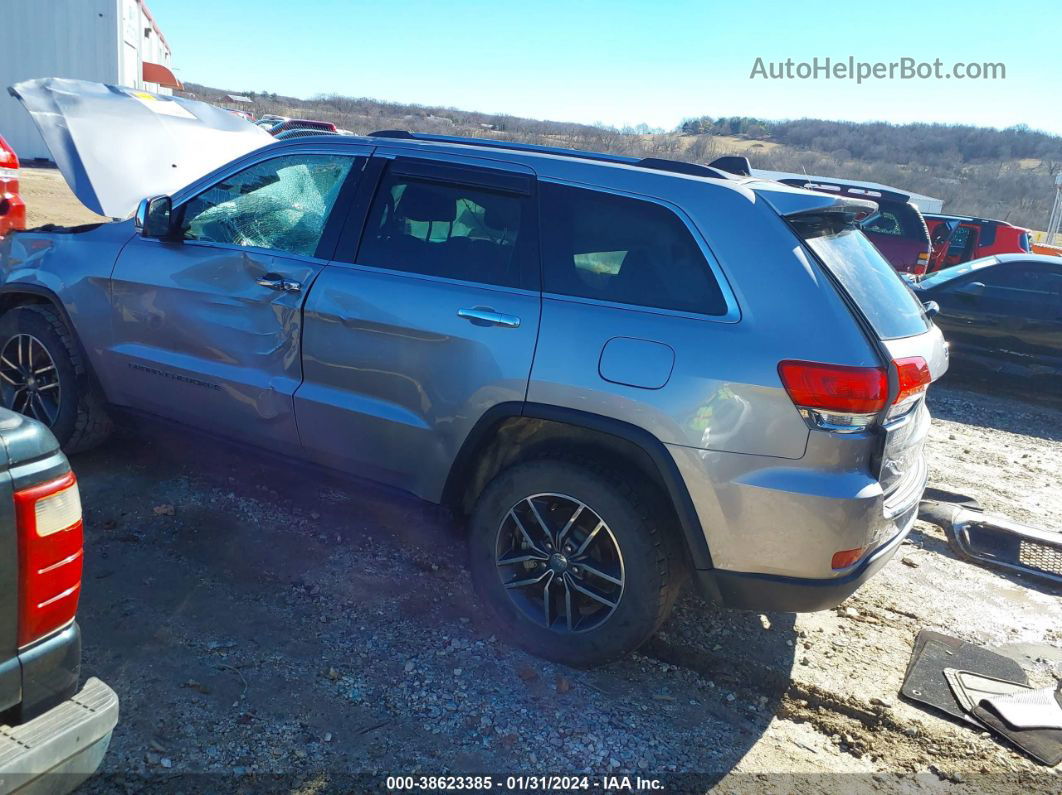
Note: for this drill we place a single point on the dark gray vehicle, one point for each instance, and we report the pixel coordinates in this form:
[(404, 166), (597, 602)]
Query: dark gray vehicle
[(627, 373), (52, 735)]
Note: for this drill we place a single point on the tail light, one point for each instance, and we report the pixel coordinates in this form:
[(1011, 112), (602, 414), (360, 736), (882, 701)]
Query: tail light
[(50, 542), (922, 265), (848, 399), (915, 378), (12, 208)]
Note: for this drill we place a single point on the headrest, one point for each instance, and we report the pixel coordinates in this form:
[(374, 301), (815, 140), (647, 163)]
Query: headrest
[(421, 202), (502, 214)]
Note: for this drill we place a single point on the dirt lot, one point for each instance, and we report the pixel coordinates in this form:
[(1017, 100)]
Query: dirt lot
[(266, 626)]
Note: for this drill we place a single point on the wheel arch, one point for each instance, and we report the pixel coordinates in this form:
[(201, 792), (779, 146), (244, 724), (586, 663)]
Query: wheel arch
[(511, 432), (18, 294)]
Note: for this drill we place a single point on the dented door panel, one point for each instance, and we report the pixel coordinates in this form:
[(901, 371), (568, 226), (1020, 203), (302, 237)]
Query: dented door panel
[(199, 340)]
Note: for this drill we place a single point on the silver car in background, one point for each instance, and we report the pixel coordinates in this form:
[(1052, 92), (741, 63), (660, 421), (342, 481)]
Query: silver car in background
[(627, 374)]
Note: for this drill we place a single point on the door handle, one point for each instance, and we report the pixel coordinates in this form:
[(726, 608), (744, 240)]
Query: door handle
[(274, 281), (485, 316)]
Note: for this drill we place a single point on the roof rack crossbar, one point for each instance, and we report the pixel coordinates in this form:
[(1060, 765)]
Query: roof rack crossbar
[(655, 163)]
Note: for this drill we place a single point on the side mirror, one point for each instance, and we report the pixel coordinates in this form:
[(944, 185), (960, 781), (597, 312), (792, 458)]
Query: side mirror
[(971, 290), (932, 308), (154, 217)]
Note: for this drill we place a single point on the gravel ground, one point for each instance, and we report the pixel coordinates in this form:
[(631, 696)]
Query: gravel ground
[(269, 628), (257, 620)]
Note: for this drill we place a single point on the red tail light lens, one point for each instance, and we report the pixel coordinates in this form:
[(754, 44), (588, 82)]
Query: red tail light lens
[(833, 387), (8, 158), (914, 377), (12, 209), (848, 399), (50, 543)]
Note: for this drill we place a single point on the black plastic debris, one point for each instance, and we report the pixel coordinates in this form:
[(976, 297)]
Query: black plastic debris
[(986, 690), (925, 682), (1043, 745)]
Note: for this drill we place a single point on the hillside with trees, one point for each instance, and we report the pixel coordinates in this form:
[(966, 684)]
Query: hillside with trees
[(1006, 174)]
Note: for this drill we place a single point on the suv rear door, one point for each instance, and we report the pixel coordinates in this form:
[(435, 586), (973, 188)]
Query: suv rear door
[(425, 320)]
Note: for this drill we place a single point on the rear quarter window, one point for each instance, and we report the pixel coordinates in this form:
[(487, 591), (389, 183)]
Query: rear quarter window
[(888, 304), (618, 249)]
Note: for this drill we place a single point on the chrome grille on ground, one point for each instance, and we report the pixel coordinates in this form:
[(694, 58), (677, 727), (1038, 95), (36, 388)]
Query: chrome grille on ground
[(1040, 556)]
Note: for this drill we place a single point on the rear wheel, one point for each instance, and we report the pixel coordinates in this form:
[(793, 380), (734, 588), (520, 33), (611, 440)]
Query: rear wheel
[(42, 375), (572, 561)]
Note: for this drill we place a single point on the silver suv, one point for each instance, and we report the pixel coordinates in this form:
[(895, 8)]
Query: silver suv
[(626, 373)]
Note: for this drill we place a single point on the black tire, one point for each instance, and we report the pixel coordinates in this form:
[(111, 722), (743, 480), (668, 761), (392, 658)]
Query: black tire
[(81, 422), (652, 564)]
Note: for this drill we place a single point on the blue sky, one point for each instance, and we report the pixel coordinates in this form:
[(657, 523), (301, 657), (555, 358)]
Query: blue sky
[(628, 61)]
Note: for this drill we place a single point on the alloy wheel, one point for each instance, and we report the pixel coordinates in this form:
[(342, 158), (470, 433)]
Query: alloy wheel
[(29, 380), (560, 563)]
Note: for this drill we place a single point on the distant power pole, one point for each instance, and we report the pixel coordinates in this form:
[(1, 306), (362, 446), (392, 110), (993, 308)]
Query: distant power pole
[(1056, 212)]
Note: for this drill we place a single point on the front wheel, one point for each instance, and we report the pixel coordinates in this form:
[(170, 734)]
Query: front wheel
[(42, 375), (572, 561)]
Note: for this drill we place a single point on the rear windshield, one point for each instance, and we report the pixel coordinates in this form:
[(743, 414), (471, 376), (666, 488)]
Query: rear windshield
[(888, 303)]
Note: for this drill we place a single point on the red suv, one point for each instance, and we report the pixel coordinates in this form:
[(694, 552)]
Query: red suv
[(961, 238), (12, 209), (897, 228)]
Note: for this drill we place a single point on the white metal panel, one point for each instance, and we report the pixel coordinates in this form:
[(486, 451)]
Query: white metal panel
[(52, 38)]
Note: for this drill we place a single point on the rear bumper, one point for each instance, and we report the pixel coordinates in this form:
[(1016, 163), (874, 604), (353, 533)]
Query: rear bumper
[(778, 593), (58, 750)]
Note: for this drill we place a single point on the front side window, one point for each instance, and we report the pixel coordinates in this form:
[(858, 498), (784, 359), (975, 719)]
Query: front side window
[(450, 230), (628, 251), (1022, 283), (280, 204)]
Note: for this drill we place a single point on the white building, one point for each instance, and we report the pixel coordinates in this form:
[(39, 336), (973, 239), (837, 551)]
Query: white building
[(108, 41)]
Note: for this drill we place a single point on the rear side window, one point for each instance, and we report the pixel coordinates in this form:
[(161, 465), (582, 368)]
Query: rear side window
[(888, 303), (450, 230), (898, 220), (613, 248)]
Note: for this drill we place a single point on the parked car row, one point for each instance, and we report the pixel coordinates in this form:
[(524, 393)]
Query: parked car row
[(283, 128)]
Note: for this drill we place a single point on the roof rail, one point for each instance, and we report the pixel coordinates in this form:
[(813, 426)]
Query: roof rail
[(655, 163)]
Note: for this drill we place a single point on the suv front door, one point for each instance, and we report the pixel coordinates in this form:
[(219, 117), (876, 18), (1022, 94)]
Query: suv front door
[(207, 328), (415, 333)]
